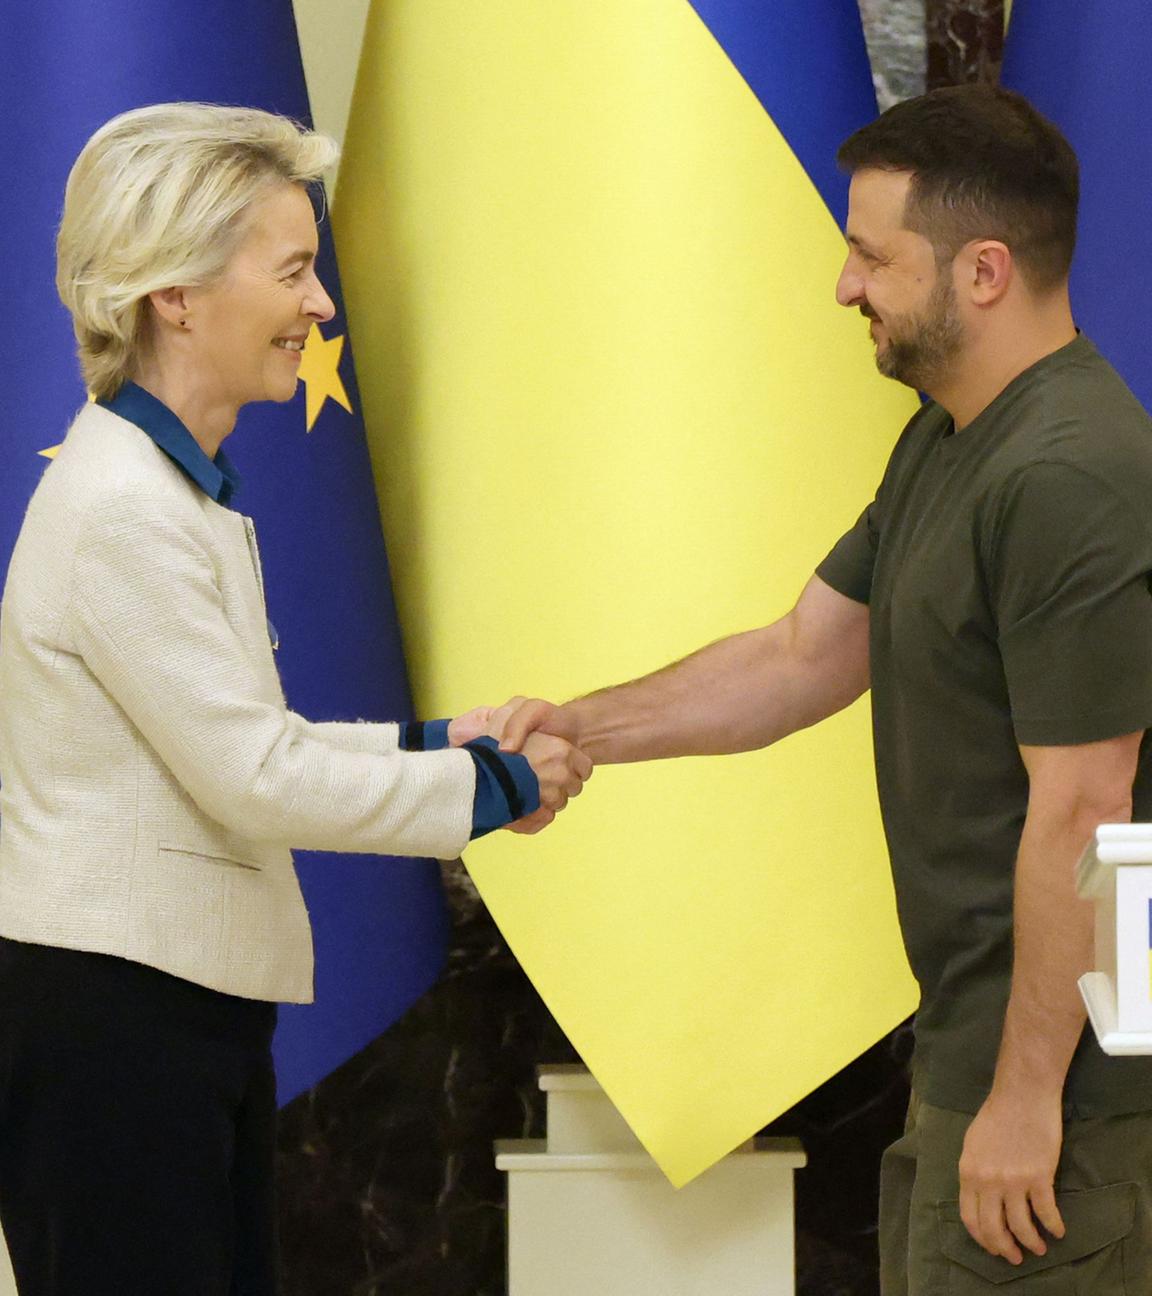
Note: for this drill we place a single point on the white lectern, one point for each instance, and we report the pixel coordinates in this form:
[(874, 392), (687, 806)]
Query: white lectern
[(1116, 873), (591, 1214)]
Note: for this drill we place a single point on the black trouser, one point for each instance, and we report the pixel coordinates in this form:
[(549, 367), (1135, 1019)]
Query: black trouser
[(137, 1130)]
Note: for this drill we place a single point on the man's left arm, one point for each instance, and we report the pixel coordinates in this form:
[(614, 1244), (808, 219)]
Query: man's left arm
[(1008, 1166)]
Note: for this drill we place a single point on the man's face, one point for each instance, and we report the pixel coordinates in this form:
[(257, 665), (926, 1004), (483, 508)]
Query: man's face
[(891, 276)]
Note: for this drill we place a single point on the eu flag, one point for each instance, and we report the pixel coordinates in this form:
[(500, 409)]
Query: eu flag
[(69, 66), (1086, 67)]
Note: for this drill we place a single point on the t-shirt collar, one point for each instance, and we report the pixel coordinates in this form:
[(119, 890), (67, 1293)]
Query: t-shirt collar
[(1073, 351)]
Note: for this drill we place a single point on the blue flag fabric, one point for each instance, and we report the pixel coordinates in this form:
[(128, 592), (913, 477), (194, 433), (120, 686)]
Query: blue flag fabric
[(1085, 66), (795, 58), (69, 66)]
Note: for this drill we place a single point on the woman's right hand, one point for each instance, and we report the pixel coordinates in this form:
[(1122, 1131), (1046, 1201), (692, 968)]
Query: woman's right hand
[(561, 770)]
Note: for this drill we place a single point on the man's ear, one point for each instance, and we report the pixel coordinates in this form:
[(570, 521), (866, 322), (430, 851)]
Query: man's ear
[(986, 270)]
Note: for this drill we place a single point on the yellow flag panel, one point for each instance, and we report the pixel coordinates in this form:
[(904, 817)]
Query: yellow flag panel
[(615, 413)]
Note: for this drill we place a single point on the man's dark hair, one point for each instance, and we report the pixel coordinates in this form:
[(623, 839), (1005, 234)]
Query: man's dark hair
[(984, 164)]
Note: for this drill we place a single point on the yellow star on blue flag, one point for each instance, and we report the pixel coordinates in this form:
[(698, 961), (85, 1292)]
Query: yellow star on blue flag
[(320, 371)]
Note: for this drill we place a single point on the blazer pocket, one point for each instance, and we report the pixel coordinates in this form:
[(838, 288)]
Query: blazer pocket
[(213, 856), (1094, 1218)]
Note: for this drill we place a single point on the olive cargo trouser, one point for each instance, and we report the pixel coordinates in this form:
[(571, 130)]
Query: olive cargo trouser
[(1103, 1190)]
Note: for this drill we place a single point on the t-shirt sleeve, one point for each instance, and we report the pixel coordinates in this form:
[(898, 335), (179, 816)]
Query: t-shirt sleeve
[(1068, 574), (848, 568)]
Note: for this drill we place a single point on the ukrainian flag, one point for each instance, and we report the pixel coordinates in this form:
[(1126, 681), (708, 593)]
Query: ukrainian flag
[(615, 413), (69, 66)]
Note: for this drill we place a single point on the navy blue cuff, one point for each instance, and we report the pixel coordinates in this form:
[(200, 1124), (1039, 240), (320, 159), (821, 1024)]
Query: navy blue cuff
[(424, 735), (506, 786)]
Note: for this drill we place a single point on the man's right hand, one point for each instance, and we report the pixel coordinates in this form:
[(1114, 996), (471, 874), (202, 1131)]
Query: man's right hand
[(520, 716), (561, 770)]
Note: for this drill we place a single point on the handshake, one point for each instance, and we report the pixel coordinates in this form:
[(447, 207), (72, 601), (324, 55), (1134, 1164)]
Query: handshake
[(542, 734)]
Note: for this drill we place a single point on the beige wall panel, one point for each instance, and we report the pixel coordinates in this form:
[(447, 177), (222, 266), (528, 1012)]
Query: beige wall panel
[(331, 33)]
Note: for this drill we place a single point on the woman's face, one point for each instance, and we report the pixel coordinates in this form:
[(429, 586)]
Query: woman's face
[(249, 327)]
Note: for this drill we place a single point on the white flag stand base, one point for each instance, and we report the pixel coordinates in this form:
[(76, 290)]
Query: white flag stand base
[(7, 1281), (591, 1214)]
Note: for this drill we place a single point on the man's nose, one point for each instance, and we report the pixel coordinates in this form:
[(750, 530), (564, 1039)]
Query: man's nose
[(849, 287)]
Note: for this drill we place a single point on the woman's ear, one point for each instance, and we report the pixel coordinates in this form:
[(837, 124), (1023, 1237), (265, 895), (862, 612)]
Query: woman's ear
[(171, 305)]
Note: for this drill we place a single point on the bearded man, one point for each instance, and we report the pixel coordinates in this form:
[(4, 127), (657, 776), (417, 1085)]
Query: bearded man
[(994, 596)]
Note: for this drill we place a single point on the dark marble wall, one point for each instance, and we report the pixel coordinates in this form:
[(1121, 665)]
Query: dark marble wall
[(897, 35), (387, 1181), (965, 41)]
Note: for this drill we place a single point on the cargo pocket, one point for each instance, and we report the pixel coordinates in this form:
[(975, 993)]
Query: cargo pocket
[(1087, 1261)]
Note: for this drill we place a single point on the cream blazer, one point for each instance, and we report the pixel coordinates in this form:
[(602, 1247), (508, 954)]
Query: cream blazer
[(152, 779)]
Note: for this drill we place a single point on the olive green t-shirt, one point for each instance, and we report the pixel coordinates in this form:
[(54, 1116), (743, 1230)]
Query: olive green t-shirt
[(1006, 568)]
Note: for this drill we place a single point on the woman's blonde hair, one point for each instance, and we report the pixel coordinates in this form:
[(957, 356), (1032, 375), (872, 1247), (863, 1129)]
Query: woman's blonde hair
[(157, 199)]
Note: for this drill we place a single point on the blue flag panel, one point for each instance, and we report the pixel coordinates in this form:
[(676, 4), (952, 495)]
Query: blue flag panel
[(808, 66), (1086, 67), (69, 66)]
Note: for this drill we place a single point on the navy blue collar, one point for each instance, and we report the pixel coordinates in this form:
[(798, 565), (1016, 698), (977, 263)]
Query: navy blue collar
[(217, 478)]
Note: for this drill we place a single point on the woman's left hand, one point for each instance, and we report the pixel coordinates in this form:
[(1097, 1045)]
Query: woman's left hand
[(472, 724)]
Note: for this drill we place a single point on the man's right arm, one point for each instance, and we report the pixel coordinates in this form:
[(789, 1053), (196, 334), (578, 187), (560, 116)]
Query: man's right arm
[(738, 694)]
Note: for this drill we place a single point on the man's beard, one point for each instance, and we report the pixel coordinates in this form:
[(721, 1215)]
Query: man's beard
[(922, 348)]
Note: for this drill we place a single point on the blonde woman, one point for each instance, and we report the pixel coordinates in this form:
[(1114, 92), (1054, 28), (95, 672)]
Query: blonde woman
[(153, 779)]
